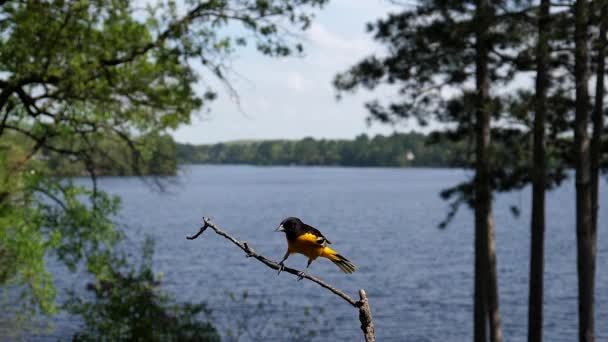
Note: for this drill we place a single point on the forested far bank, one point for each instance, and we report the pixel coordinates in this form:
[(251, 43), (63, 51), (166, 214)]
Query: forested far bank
[(160, 154), (397, 150), (152, 154)]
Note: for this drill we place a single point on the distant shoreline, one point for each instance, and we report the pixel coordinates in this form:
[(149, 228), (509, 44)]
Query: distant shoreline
[(325, 166)]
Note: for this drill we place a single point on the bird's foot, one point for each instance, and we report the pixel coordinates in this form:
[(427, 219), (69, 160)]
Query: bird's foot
[(281, 267), (301, 275)]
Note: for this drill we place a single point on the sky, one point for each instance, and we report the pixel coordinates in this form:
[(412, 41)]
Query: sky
[(293, 98)]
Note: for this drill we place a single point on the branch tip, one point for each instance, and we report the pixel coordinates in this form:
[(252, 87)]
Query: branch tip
[(200, 231)]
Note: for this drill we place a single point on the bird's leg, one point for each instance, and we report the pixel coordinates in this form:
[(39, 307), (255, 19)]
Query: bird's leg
[(281, 265), (302, 273)]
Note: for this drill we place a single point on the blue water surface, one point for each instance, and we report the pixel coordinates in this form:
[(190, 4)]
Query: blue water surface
[(419, 278)]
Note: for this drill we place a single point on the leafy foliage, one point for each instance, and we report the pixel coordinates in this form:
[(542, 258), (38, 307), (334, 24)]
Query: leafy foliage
[(95, 85), (430, 53), (429, 59), (115, 158), (128, 305), (42, 216)]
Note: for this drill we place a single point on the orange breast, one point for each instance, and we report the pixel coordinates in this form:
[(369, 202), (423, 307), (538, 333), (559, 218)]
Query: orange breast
[(305, 244)]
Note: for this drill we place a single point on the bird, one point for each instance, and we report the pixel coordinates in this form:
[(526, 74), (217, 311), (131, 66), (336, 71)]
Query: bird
[(308, 240)]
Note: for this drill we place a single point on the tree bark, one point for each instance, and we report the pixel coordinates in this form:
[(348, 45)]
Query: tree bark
[(486, 287), (493, 312), (598, 121), (539, 173), (585, 246)]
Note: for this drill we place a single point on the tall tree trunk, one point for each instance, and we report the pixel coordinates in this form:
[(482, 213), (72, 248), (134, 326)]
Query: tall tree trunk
[(596, 140), (486, 287), (598, 121), (539, 173), (585, 246), (493, 312)]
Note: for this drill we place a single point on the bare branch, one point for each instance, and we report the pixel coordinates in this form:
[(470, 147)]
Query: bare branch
[(50, 195), (274, 265), (42, 140), (7, 111), (367, 324)]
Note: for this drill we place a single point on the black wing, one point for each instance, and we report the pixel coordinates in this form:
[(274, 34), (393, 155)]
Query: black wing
[(322, 240)]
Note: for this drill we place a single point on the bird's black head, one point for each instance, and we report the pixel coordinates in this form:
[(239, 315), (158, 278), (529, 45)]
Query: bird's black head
[(290, 226)]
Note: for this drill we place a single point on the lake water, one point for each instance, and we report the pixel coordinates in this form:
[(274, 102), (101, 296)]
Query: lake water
[(419, 278)]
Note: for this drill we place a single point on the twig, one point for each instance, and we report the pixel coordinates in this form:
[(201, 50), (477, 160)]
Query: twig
[(365, 316)]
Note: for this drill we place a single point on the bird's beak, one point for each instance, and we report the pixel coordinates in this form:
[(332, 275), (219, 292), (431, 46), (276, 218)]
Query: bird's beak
[(280, 229)]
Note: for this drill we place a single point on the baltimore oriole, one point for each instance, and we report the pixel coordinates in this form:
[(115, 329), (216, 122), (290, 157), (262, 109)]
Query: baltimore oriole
[(307, 240)]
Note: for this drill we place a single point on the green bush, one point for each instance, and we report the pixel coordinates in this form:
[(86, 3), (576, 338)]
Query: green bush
[(127, 304)]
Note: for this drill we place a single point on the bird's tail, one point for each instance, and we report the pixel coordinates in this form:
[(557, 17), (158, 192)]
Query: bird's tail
[(344, 264)]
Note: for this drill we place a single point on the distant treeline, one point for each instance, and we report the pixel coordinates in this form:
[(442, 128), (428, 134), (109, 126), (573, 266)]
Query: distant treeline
[(152, 154), (399, 149)]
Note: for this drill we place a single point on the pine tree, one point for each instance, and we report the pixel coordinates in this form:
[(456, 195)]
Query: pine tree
[(442, 47), (537, 241)]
